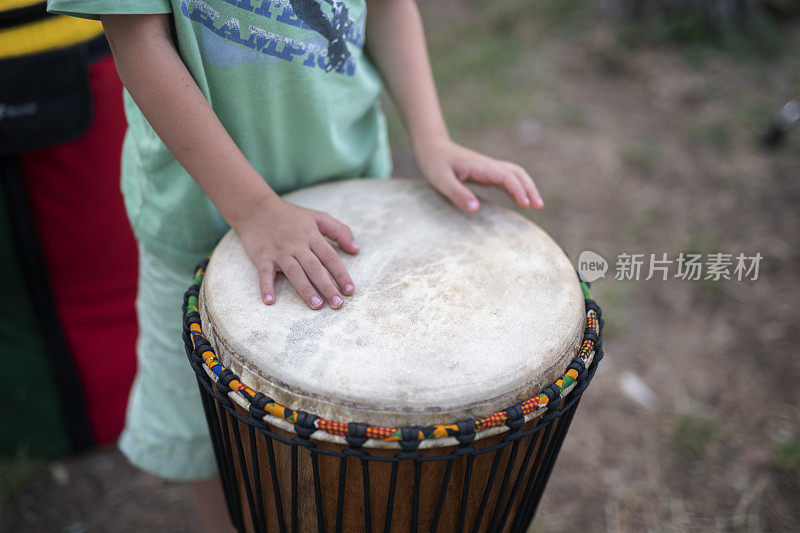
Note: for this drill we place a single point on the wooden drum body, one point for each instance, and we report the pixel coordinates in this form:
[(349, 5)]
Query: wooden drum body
[(436, 399)]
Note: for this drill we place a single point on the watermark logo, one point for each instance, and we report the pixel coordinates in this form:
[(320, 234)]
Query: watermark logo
[(591, 266), (685, 266)]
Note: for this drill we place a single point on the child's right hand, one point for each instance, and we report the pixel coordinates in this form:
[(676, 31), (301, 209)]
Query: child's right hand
[(281, 237), (278, 236)]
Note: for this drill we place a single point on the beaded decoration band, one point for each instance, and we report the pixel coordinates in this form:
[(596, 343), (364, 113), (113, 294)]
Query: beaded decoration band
[(261, 405)]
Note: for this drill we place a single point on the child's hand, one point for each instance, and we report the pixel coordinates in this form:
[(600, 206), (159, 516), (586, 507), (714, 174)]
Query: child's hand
[(281, 237), (447, 165)]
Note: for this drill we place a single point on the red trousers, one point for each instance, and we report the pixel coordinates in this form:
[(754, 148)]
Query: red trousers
[(89, 251)]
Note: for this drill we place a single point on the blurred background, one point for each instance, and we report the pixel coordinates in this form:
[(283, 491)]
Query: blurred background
[(650, 126)]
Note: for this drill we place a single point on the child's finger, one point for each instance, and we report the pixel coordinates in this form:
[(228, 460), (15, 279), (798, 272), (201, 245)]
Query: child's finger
[(337, 232), (510, 182), (499, 176), (492, 176), (457, 193), (266, 282), (529, 185), (299, 280), (331, 260), (321, 280)]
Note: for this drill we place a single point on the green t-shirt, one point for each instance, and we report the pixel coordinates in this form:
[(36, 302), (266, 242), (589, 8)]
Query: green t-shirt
[(290, 82)]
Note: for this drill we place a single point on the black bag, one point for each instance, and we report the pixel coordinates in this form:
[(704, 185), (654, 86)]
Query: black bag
[(45, 98)]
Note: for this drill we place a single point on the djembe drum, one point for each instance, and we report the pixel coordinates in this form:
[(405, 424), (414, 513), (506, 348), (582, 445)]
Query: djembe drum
[(435, 399)]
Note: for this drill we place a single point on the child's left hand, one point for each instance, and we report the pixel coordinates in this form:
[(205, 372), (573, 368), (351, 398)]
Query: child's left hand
[(448, 165)]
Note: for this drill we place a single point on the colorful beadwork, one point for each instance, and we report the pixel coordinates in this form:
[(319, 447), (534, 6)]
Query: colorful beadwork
[(394, 434)]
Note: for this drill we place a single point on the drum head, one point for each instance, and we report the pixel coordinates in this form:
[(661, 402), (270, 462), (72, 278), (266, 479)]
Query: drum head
[(454, 316)]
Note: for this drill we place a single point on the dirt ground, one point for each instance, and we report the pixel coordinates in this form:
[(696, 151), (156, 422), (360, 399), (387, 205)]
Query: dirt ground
[(693, 420)]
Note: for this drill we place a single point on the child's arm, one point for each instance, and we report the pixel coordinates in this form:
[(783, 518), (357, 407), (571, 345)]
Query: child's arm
[(277, 236), (396, 42)]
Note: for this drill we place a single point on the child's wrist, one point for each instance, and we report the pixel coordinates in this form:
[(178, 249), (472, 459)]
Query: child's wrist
[(264, 201), (425, 143)]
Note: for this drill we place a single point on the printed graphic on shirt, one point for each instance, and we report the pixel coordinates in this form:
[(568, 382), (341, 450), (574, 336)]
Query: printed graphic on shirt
[(326, 27)]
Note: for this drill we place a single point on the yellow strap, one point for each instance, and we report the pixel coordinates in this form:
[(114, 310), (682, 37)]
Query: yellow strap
[(8, 5), (47, 34)]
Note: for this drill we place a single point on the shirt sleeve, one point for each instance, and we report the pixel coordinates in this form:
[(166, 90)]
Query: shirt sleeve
[(92, 9)]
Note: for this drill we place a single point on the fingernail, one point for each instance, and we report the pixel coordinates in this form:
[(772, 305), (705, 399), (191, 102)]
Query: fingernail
[(336, 301), (540, 202), (316, 301), (472, 205), (349, 288), (354, 245), (526, 202), (268, 298)]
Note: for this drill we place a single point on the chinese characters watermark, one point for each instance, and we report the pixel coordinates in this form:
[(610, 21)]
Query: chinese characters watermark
[(662, 266)]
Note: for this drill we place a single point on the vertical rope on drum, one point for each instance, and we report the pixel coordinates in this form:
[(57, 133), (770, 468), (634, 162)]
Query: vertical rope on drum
[(293, 476), (276, 486), (211, 415), (208, 408), (387, 527), (552, 419), (562, 420), (256, 469), (533, 440), (367, 503), (462, 515), (571, 405), (213, 410), (356, 437), (514, 420), (232, 491), (409, 442), (552, 454), (304, 427), (466, 434), (415, 504), (512, 458), (498, 455), (317, 491), (442, 494), (519, 523), (248, 490), (552, 447), (340, 493)]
